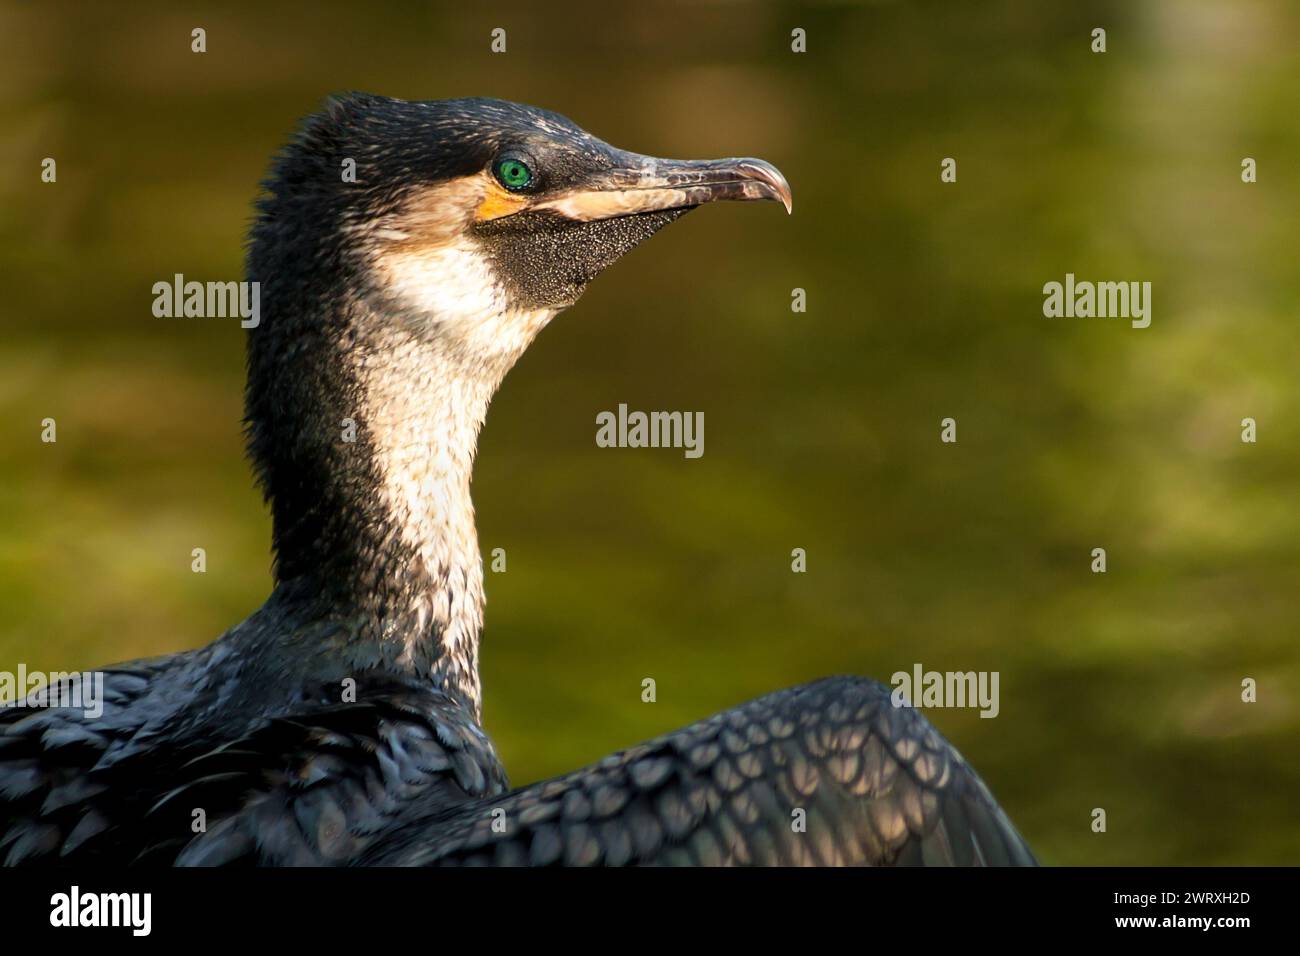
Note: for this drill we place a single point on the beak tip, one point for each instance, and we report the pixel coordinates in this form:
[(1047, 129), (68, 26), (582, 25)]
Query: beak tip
[(775, 182)]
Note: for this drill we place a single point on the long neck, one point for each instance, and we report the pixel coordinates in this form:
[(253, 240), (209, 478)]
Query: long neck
[(422, 417), (365, 440)]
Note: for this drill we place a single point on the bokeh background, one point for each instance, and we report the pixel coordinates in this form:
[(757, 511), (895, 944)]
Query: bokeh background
[(1119, 691)]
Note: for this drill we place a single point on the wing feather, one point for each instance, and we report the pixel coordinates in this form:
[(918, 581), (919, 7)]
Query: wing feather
[(831, 773)]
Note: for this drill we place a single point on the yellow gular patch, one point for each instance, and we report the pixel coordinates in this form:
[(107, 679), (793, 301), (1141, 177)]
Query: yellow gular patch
[(497, 203)]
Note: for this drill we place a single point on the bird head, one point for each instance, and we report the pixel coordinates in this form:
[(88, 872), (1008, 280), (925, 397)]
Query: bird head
[(467, 214)]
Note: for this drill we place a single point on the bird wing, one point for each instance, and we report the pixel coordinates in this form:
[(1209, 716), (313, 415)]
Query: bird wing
[(829, 773), (51, 798), (137, 785)]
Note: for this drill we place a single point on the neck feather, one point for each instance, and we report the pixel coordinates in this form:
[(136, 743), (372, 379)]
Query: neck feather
[(423, 419), (367, 456)]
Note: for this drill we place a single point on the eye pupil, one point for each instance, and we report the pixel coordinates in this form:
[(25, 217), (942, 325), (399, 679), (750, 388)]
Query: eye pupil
[(514, 174)]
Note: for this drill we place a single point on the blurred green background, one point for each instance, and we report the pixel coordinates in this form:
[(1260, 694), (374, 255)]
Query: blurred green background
[(822, 430)]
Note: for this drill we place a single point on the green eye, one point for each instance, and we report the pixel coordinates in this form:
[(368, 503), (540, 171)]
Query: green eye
[(513, 174)]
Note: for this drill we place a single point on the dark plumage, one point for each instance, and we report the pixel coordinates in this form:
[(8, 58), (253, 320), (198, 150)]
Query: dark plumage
[(340, 722)]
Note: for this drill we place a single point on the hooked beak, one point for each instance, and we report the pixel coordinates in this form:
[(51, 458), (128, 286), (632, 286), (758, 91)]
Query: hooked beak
[(640, 184)]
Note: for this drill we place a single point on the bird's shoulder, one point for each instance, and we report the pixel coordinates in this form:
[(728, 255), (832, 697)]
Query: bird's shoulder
[(314, 787), (54, 758), (162, 774)]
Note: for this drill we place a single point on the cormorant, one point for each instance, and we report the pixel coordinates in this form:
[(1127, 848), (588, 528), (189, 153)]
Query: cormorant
[(340, 723)]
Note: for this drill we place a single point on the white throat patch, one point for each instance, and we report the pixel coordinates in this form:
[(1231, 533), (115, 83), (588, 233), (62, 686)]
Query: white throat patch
[(426, 382)]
